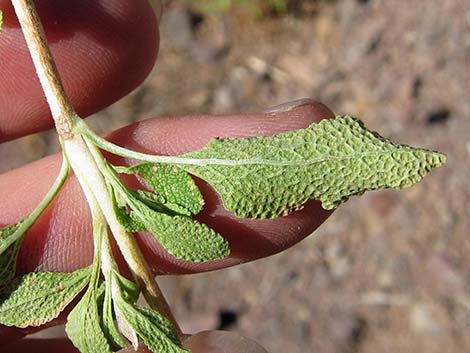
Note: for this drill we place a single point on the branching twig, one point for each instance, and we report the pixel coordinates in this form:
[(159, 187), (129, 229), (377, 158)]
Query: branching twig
[(81, 159)]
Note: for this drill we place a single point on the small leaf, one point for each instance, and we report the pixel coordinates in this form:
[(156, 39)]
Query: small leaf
[(264, 177), (181, 236), (155, 331), (126, 329), (83, 323), (9, 235), (108, 321), (37, 298), (173, 187), (161, 322), (122, 215), (153, 201), (1, 20), (131, 291), (8, 262)]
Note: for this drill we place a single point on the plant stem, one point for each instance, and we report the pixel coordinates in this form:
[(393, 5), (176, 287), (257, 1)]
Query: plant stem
[(132, 253), (60, 106), (79, 155), (85, 163), (103, 258), (34, 215)]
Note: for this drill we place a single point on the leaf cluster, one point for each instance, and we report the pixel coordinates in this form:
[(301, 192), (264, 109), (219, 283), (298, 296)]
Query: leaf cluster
[(258, 177)]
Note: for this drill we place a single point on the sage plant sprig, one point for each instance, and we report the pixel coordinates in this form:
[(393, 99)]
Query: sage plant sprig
[(258, 177)]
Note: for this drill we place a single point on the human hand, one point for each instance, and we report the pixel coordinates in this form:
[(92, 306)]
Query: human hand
[(108, 47)]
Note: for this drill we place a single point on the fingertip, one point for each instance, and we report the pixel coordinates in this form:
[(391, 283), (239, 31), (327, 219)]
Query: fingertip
[(66, 225), (177, 135), (249, 239), (303, 107)]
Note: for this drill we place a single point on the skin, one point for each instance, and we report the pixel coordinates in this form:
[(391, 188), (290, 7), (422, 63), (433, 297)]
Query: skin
[(125, 38)]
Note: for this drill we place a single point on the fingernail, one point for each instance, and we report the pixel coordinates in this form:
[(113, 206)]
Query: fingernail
[(288, 106)]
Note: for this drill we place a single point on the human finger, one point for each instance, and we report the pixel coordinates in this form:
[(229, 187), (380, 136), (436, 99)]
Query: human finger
[(103, 50), (61, 239), (38, 345)]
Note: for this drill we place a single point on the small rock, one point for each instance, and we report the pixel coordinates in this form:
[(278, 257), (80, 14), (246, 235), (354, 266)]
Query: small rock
[(338, 262), (427, 319), (443, 275), (347, 329), (439, 116)]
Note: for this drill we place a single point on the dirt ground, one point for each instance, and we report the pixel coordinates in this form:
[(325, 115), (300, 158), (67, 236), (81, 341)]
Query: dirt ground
[(388, 272)]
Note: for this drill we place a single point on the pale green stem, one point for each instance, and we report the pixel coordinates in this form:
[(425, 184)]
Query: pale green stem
[(83, 129), (103, 257), (78, 154), (34, 215), (132, 254)]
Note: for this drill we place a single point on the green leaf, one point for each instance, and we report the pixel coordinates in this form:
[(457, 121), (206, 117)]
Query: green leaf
[(153, 201), (1, 20), (161, 322), (131, 291), (9, 235), (108, 321), (264, 177), (181, 236), (155, 331), (83, 323), (37, 298), (173, 187), (8, 263)]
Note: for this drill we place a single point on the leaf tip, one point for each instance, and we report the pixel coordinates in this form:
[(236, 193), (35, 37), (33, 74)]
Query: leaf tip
[(430, 160), (437, 159)]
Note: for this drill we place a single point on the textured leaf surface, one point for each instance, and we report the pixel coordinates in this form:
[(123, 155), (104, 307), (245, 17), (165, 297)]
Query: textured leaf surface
[(83, 323), (264, 177), (155, 331), (10, 254), (108, 321), (37, 298), (8, 263), (173, 187), (161, 322), (130, 290), (181, 236)]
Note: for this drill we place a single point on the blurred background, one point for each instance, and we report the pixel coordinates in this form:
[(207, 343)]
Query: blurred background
[(388, 272)]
